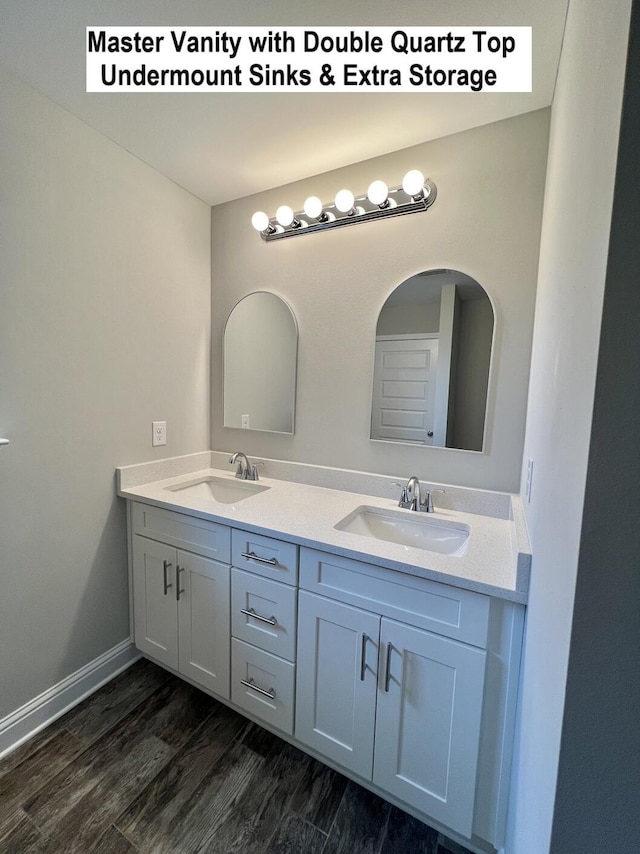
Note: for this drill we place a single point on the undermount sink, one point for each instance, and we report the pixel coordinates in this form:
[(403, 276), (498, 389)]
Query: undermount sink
[(407, 528), (220, 489)]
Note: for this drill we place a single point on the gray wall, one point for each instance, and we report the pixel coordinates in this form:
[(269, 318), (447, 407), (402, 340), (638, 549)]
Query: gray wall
[(573, 259), (598, 796), (104, 327), (484, 223), (409, 318)]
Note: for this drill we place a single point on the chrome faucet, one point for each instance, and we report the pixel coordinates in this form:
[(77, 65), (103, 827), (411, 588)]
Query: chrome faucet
[(413, 493), (245, 470), (413, 498)]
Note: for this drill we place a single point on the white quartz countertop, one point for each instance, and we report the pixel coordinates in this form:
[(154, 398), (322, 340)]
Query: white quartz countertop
[(496, 561)]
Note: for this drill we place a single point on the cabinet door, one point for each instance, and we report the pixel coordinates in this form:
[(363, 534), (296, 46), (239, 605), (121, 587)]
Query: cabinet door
[(336, 680), (154, 600), (428, 722), (203, 621)]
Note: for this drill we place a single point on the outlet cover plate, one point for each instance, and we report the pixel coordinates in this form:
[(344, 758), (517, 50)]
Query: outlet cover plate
[(159, 434)]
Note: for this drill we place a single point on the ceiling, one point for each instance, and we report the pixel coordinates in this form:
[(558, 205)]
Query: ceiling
[(228, 145)]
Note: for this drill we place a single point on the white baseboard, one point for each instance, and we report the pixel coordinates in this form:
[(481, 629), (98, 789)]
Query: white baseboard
[(38, 713)]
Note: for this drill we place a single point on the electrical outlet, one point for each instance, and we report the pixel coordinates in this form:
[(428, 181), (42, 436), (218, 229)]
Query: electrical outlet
[(245, 422), (529, 481), (159, 434)]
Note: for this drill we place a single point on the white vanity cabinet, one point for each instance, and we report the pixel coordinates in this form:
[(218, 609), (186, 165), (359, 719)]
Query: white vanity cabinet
[(408, 685), (180, 597), (396, 701)]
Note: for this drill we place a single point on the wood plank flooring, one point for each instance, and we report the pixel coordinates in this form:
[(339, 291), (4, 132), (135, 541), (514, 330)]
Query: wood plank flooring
[(150, 765)]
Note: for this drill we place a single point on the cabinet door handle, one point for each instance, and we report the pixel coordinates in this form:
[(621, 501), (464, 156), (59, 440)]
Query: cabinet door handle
[(253, 556), (363, 657), (179, 569), (271, 694), (251, 613), (387, 670), (165, 567)]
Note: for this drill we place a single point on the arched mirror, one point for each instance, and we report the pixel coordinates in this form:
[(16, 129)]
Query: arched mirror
[(432, 360), (260, 350)]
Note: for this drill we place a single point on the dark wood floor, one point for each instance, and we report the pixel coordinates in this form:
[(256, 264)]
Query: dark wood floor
[(150, 764)]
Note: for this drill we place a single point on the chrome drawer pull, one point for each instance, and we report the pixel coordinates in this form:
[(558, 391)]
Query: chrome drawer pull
[(387, 675), (250, 684), (165, 566), (251, 613), (363, 657), (253, 556)]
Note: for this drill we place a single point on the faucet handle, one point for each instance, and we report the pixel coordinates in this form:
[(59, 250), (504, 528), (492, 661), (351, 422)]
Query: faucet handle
[(404, 496), (427, 504), (253, 472)]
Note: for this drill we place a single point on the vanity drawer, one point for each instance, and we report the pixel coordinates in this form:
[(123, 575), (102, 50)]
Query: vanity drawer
[(196, 535), (265, 556), (274, 626), (440, 608), (271, 698)]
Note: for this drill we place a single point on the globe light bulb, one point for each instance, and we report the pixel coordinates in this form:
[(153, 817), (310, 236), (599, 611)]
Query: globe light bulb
[(285, 215), (344, 201), (413, 183), (378, 193), (313, 207), (260, 221)]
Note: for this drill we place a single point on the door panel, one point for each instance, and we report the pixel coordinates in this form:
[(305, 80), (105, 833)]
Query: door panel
[(404, 381), (203, 618), (154, 607), (336, 680), (428, 722)]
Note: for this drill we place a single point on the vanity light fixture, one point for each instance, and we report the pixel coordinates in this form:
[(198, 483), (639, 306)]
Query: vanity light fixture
[(415, 194)]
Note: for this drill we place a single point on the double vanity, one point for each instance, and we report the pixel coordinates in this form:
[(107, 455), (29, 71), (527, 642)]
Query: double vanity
[(383, 641)]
